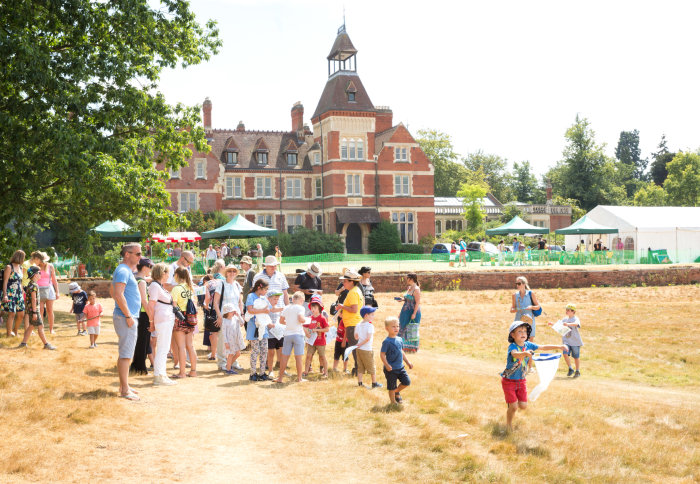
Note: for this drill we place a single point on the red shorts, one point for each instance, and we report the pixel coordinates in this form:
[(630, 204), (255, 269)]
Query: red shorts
[(514, 390)]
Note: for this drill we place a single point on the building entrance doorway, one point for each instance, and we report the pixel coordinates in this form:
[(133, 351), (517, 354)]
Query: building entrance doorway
[(353, 239)]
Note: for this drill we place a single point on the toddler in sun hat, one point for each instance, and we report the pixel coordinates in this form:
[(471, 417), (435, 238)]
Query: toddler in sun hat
[(318, 326), (80, 299)]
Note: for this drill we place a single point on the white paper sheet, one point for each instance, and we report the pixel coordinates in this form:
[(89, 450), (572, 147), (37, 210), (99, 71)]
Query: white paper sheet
[(277, 331), (560, 328), (547, 365), (348, 351)]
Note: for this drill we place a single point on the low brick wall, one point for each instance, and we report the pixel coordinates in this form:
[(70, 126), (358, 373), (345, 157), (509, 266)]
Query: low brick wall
[(501, 279)]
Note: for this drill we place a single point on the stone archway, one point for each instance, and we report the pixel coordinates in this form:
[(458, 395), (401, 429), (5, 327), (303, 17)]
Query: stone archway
[(355, 238)]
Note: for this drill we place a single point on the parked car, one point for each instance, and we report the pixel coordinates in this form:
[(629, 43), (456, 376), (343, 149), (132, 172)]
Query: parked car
[(489, 248), (555, 248), (441, 248)]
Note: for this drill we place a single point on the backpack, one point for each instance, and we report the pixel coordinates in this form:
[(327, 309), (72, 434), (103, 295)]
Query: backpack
[(191, 313)]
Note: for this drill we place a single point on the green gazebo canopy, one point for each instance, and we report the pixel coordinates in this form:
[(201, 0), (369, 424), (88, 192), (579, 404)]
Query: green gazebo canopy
[(117, 230), (517, 226), (239, 227), (584, 225)]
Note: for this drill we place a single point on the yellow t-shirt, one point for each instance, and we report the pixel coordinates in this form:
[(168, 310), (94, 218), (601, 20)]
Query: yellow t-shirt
[(181, 294), (354, 297), (25, 265)]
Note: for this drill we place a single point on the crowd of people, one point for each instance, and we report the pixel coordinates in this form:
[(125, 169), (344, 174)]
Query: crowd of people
[(156, 318)]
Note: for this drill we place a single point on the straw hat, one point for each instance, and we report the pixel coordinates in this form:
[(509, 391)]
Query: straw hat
[(270, 260), (350, 275), (247, 260), (231, 267), (314, 269)]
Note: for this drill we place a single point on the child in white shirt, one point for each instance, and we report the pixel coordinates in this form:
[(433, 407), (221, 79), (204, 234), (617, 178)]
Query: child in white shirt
[(364, 333)]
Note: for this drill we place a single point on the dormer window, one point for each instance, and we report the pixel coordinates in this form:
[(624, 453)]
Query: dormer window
[(291, 159), (351, 96), (351, 90), (231, 157), (261, 150), (262, 157)]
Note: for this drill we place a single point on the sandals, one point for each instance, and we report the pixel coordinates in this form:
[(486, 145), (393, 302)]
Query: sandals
[(131, 396), (211, 358), (192, 374), (179, 376)]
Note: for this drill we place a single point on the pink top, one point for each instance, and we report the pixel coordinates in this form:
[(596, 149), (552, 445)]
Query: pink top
[(92, 312), (44, 277)]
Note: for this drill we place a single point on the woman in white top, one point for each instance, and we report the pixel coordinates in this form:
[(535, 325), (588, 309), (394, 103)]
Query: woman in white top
[(232, 291), (162, 319)]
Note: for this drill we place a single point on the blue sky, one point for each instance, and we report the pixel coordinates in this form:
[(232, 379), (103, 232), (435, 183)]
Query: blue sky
[(505, 77)]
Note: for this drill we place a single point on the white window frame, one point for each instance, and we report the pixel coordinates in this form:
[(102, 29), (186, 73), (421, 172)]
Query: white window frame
[(176, 173), (353, 184), (261, 187), (185, 200), (262, 219), (294, 189), (297, 220), (344, 149), (200, 165), (233, 156), (316, 159), (360, 149), (233, 187), (318, 187), (406, 225), (295, 157), (403, 183), (259, 154), (352, 149), (402, 154)]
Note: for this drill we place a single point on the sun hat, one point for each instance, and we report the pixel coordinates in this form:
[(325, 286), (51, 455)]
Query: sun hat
[(367, 310), (316, 299), (350, 275), (571, 306), (44, 256), (228, 308), (275, 293), (364, 270), (516, 325), (32, 271), (314, 269), (247, 259), (231, 267), (270, 260), (74, 287)]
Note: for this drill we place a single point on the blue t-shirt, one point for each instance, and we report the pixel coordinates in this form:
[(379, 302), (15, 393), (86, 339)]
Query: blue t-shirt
[(393, 348), (79, 301), (512, 362), (124, 275), (250, 326)]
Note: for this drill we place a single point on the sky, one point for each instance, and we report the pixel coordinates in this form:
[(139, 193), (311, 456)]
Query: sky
[(505, 77)]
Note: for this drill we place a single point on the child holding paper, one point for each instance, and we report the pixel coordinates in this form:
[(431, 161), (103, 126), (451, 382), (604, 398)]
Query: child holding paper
[(319, 328), (572, 340), (364, 334), (513, 380)]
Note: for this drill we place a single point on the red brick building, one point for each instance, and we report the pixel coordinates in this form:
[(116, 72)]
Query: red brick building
[(352, 169)]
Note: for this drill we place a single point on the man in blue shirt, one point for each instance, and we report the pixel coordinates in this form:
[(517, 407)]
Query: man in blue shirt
[(393, 358), (127, 299)]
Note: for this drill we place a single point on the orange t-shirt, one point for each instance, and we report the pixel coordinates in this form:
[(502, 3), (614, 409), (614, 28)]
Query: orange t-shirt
[(93, 312)]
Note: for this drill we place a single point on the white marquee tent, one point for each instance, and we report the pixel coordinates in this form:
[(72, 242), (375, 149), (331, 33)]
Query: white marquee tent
[(676, 229)]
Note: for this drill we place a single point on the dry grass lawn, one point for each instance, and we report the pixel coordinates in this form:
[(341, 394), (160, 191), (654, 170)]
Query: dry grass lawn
[(632, 416)]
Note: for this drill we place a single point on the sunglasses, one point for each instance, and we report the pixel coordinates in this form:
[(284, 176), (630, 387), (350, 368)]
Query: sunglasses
[(518, 283), (135, 253)]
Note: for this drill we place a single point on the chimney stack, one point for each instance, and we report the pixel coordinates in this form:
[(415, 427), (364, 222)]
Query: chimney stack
[(206, 108), (297, 116), (384, 119)]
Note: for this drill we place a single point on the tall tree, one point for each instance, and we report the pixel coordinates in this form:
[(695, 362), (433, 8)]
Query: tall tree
[(633, 165), (661, 158), (650, 195), (82, 121), (495, 169), (472, 194), (523, 183), (449, 174), (585, 173), (683, 182)]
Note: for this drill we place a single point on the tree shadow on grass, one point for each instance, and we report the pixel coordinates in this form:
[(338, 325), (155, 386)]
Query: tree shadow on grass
[(92, 395)]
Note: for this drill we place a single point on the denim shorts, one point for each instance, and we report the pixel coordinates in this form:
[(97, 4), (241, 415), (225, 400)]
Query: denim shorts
[(574, 351), (293, 341), (127, 335)]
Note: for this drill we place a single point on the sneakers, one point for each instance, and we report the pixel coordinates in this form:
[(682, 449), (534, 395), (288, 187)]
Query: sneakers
[(161, 380), (571, 372), (577, 374), (49, 346), (264, 377), (377, 385), (91, 347), (236, 365), (360, 384), (22, 345), (254, 377), (398, 398), (231, 372)]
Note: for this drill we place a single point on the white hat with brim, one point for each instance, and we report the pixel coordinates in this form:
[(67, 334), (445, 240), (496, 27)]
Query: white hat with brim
[(271, 260), (351, 275), (314, 269), (44, 256), (228, 308), (231, 267), (74, 287)]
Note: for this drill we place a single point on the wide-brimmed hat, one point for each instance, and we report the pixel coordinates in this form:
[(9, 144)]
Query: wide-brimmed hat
[(231, 267), (44, 256), (516, 325), (228, 308), (32, 271), (316, 299), (350, 275), (247, 259), (74, 287), (314, 269), (270, 260)]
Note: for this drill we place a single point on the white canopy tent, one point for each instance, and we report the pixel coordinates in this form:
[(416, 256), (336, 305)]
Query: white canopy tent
[(676, 229)]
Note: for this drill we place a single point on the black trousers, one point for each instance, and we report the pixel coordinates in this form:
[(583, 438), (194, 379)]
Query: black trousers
[(143, 346)]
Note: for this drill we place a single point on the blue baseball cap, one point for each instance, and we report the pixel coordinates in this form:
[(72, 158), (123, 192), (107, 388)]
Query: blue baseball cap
[(367, 310)]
